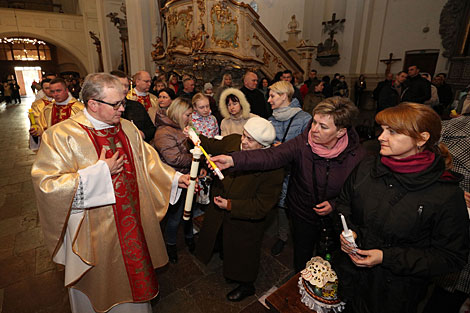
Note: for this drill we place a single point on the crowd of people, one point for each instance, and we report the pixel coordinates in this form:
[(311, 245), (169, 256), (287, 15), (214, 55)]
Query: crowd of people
[(9, 92), (115, 165)]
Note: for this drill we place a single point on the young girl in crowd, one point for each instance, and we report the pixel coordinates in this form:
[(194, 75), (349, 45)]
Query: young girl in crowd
[(236, 111), (204, 122)]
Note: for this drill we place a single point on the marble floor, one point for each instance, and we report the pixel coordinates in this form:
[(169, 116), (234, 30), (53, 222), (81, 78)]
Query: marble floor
[(30, 282)]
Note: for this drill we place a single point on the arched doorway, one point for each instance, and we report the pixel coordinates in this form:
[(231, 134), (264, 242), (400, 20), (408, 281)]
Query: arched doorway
[(22, 57)]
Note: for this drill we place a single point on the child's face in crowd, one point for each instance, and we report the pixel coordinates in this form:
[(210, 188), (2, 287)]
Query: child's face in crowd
[(234, 108), (202, 107)]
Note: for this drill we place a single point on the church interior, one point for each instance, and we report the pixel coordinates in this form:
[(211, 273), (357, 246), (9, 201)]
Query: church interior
[(364, 41)]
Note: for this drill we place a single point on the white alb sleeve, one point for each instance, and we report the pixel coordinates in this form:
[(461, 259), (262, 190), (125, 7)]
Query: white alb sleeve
[(175, 190), (95, 187)]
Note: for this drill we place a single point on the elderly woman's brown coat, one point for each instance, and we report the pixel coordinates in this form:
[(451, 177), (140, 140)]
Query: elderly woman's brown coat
[(171, 143), (253, 194)]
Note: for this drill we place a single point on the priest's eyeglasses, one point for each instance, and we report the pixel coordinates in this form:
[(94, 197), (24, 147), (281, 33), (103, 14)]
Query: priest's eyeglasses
[(114, 105)]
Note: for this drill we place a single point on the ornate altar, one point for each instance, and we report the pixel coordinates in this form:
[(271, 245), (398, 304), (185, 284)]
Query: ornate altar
[(210, 37)]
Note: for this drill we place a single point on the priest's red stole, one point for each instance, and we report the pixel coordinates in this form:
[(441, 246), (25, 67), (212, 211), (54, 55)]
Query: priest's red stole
[(140, 271), (60, 112), (145, 101)]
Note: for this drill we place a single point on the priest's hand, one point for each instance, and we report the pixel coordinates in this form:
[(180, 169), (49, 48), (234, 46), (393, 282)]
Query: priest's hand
[(222, 161), (34, 132), (115, 163), (367, 258), (183, 181)]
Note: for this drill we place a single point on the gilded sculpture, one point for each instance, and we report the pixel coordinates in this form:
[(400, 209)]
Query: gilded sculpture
[(224, 27), (159, 50), (179, 24), (198, 40)]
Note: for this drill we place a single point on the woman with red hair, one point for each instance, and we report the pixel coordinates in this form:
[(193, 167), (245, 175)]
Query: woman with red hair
[(408, 215)]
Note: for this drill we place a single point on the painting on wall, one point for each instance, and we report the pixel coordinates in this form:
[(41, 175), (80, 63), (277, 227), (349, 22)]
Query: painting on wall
[(224, 27), (179, 24)]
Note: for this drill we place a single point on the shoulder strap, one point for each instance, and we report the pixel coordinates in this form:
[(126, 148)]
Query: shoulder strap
[(288, 126)]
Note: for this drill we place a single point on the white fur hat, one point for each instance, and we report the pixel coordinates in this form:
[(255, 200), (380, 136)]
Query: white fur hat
[(208, 86), (261, 130)]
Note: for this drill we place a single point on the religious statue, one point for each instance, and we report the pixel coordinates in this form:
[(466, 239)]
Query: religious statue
[(328, 51), (198, 40), (159, 49), (293, 24), (328, 48), (97, 43)]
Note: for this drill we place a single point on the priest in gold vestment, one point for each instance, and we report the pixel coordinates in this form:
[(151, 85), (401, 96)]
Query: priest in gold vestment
[(101, 193), (61, 108), (37, 107), (141, 93)]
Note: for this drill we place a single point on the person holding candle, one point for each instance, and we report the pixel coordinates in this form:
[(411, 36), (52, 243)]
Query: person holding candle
[(235, 219), (320, 159), (172, 146), (407, 214)]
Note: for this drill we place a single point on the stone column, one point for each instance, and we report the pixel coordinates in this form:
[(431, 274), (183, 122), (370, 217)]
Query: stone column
[(103, 22), (142, 30)]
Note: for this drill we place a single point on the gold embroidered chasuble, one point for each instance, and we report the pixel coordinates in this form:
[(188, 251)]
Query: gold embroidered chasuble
[(65, 149), (38, 106), (46, 118), (150, 102)]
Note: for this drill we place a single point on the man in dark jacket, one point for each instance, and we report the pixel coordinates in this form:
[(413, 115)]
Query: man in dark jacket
[(444, 91), (188, 88), (255, 98), (135, 112), (287, 76), (417, 88), (390, 94), (387, 81)]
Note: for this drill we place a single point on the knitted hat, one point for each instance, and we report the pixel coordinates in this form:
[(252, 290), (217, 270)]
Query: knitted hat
[(208, 86), (261, 130)]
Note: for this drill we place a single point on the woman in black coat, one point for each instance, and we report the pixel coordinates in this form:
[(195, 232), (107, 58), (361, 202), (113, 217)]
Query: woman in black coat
[(408, 215)]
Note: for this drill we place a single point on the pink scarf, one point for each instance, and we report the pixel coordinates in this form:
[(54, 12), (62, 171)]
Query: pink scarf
[(326, 153)]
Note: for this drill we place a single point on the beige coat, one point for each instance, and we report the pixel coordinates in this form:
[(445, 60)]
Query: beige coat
[(67, 148), (231, 124)]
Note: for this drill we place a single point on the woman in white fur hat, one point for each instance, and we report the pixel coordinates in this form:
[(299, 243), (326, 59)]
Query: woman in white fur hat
[(234, 222), (235, 110)]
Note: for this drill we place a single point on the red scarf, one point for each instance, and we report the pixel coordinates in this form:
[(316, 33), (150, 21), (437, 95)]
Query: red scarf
[(412, 164), (142, 279)]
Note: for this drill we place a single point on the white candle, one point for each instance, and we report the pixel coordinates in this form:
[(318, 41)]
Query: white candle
[(345, 226), (193, 174)]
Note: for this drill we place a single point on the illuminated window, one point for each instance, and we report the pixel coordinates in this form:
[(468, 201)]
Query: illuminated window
[(24, 49)]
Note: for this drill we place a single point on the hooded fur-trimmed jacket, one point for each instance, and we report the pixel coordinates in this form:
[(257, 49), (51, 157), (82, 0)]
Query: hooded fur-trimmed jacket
[(231, 124)]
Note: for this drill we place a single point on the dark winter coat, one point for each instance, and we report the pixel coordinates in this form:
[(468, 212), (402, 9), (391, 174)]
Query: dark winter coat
[(389, 96), (418, 220), (312, 99), (253, 195), (258, 104), (171, 144), (417, 89), (136, 113), (304, 192)]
